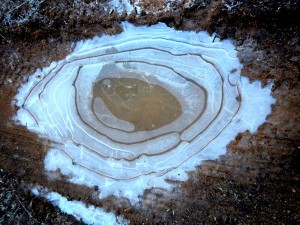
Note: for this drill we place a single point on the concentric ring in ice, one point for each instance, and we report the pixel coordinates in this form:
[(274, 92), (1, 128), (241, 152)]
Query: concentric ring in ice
[(93, 146)]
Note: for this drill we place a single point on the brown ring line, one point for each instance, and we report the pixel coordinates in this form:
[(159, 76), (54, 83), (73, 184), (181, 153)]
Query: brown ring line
[(141, 62), (120, 61), (143, 174), (120, 52), (165, 39), (126, 143), (141, 141), (183, 129), (190, 80), (180, 42), (98, 132), (156, 38), (169, 68)]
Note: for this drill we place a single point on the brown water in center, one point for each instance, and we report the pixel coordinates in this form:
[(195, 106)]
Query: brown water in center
[(147, 106)]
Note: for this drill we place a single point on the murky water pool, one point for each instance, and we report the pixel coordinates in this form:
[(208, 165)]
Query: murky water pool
[(147, 106)]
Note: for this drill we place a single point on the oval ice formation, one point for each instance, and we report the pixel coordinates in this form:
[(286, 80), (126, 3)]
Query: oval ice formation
[(126, 112)]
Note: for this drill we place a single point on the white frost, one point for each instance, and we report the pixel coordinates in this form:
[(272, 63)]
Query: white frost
[(91, 151), (89, 214)]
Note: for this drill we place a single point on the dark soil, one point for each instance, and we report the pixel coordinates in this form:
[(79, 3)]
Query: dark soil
[(255, 182)]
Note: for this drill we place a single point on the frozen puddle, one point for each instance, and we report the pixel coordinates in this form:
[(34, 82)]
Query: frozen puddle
[(126, 112)]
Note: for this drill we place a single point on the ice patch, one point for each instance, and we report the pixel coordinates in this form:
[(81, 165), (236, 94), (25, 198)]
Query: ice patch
[(89, 214), (202, 73)]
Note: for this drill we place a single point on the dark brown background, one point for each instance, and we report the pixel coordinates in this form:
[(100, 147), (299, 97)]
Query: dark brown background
[(255, 182)]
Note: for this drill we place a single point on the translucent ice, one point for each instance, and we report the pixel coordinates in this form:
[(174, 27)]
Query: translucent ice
[(126, 112)]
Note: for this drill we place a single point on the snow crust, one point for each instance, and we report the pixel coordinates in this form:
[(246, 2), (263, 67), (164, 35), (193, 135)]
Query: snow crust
[(56, 104), (89, 214)]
